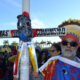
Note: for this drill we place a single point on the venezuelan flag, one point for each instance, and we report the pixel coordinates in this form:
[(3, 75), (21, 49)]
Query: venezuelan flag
[(59, 68)]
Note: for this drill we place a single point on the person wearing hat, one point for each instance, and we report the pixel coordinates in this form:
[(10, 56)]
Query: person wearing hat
[(70, 42), (65, 66), (69, 46)]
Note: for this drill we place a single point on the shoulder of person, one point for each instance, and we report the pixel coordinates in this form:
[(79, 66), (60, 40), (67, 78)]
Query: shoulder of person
[(77, 59)]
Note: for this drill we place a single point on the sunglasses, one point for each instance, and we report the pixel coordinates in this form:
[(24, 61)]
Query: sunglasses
[(73, 43)]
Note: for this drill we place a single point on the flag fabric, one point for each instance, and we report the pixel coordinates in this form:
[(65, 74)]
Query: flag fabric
[(59, 68), (17, 60), (32, 55)]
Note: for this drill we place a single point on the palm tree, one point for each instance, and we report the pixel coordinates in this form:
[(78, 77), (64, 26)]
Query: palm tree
[(42, 43), (6, 42), (49, 43), (37, 43), (14, 43)]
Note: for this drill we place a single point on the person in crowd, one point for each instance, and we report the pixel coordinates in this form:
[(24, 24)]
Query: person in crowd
[(65, 66), (43, 57), (8, 65), (55, 50), (38, 50), (2, 67), (78, 53), (13, 51)]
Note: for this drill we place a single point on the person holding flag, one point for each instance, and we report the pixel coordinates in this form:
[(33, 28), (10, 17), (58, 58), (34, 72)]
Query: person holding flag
[(65, 66)]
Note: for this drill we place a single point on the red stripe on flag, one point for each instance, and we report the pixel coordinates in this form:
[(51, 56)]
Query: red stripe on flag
[(16, 64)]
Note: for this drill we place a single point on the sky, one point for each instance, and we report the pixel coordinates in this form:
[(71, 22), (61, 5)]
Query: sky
[(43, 14)]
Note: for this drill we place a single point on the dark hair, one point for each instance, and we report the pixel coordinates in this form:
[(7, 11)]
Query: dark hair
[(78, 52), (40, 56), (57, 46)]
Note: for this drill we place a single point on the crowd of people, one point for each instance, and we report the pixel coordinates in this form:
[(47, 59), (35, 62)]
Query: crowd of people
[(6, 66), (60, 62), (43, 55)]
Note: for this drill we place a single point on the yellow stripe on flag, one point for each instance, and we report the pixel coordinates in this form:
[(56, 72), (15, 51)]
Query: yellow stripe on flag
[(32, 58)]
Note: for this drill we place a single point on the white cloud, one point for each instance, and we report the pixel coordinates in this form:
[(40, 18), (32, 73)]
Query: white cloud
[(37, 24), (10, 25)]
